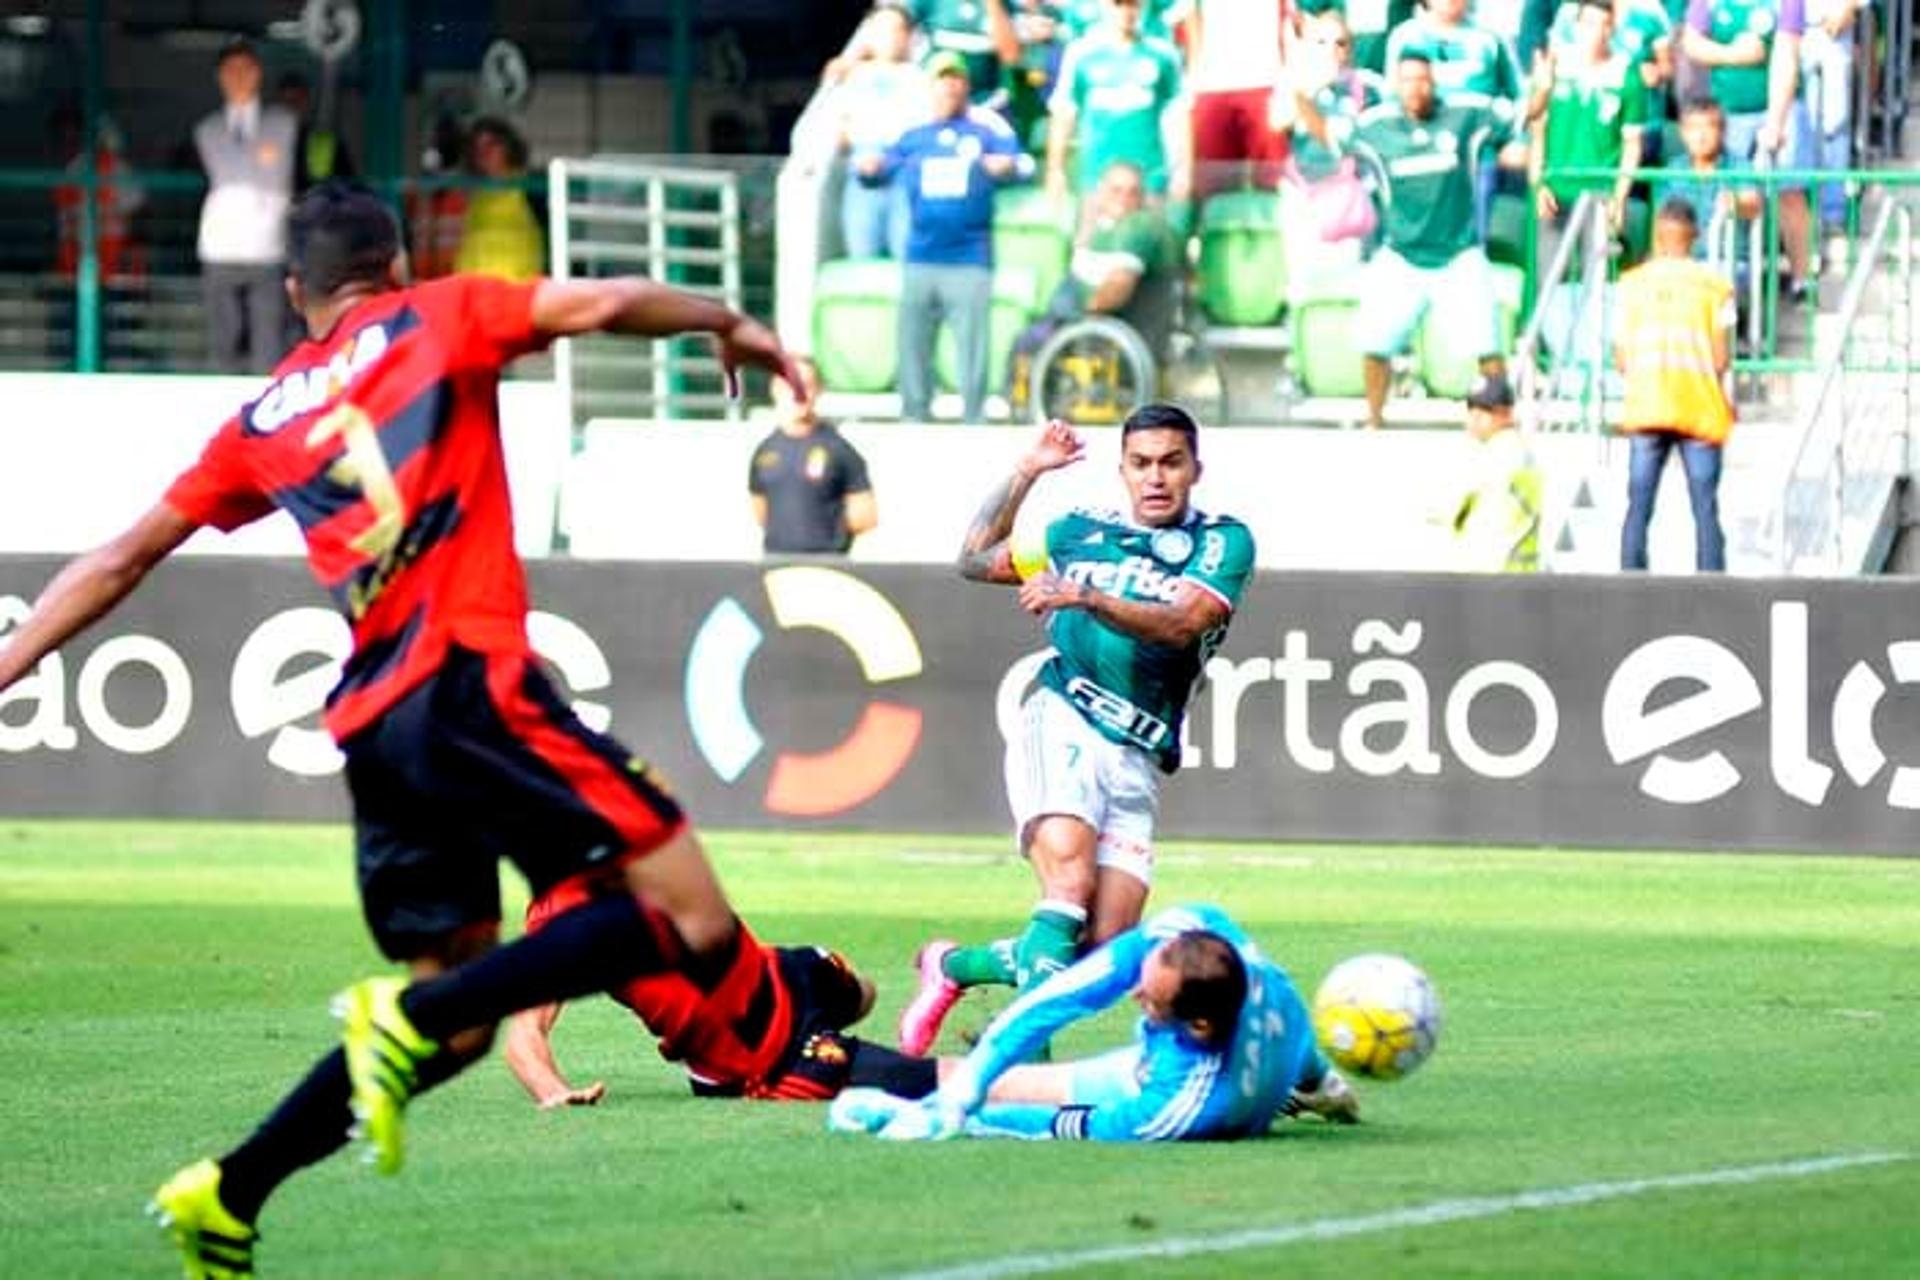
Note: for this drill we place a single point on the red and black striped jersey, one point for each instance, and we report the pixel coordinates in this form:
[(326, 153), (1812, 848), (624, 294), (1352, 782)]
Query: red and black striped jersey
[(382, 440), (730, 1038)]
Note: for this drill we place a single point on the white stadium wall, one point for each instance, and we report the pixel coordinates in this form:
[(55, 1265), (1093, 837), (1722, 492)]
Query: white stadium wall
[(84, 454)]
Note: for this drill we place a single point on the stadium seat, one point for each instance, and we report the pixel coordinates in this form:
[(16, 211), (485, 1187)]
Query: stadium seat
[(1326, 361), (1243, 261), (856, 307), (1031, 232), (1637, 233), (1507, 230), (1445, 367), (1011, 312)]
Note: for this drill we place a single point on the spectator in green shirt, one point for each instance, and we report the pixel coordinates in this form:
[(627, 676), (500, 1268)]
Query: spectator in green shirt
[(1322, 66), (1643, 34), (1751, 49), (1594, 116), (1422, 153), (1371, 22), (1123, 266), (980, 31), (1469, 63), (1115, 85), (1080, 17), (1466, 58)]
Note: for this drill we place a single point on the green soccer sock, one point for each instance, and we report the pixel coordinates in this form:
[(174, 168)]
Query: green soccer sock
[(989, 965), (1050, 942)]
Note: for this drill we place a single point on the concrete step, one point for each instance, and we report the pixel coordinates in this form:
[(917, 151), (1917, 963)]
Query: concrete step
[(1585, 534)]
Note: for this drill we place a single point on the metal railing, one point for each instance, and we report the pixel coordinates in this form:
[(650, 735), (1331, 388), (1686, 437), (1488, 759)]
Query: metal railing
[(1536, 387), (1839, 498), (670, 221), (1775, 327)]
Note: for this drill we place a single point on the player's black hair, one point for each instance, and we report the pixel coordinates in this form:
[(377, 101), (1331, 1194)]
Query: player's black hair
[(1680, 209), (1161, 416), (340, 233), (1414, 55), (1213, 982)]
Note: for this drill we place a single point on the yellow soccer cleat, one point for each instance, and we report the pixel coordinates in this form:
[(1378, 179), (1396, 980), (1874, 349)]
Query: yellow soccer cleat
[(384, 1054), (213, 1244)]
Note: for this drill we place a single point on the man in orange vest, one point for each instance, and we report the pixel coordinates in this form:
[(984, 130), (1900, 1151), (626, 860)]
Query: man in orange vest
[(1676, 315)]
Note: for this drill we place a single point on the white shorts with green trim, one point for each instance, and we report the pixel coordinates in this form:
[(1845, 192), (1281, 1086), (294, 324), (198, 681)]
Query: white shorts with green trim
[(1059, 764)]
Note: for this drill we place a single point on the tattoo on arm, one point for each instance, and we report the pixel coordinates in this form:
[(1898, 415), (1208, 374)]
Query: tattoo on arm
[(992, 525)]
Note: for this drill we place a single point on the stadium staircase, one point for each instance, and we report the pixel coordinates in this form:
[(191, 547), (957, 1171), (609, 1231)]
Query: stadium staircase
[(1813, 477)]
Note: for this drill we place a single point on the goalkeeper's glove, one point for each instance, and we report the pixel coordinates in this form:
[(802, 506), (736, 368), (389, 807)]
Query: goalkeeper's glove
[(929, 1120), (864, 1110)]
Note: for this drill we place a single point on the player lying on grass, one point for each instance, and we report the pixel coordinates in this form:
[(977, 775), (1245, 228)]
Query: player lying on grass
[(380, 435), (1134, 605), (1224, 1045), (793, 1046)]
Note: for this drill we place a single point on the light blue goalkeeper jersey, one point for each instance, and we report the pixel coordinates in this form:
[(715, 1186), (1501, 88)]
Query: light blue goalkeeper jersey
[(1185, 1090), (1130, 690)]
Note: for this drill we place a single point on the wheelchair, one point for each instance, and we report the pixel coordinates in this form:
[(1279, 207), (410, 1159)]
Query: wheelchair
[(1096, 369)]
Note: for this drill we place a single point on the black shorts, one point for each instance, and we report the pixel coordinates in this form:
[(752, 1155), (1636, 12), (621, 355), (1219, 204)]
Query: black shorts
[(484, 761), (824, 1059)]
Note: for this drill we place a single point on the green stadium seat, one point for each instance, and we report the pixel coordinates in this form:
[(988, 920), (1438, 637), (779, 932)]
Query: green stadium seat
[(1243, 262), (1638, 231), (856, 310), (1507, 230), (1012, 311), (1031, 232), (1326, 360), (1445, 367)]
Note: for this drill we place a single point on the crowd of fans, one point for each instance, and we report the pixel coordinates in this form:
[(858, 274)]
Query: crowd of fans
[(259, 152), (1129, 117), (1386, 132)]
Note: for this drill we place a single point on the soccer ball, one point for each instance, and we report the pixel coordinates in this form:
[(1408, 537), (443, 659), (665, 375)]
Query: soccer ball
[(1377, 1015), (1028, 542)]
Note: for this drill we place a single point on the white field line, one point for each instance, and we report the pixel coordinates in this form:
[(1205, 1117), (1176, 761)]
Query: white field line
[(1437, 1213)]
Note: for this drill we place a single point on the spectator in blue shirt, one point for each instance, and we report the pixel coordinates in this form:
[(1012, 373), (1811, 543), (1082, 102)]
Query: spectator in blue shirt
[(948, 167)]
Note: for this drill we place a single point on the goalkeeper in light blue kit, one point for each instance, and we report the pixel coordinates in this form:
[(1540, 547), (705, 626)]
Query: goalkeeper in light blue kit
[(1225, 1044), (1135, 603)]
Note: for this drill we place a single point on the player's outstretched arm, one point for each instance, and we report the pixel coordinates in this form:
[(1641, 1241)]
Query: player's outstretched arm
[(639, 307), (985, 555), (91, 585), (529, 1054), (1192, 612)]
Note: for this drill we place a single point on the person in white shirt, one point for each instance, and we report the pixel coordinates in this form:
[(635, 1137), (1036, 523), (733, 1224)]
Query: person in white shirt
[(247, 149), (1826, 74), (880, 94)]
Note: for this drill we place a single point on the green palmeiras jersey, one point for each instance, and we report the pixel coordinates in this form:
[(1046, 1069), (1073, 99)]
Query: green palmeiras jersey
[(1130, 690), (1425, 170)]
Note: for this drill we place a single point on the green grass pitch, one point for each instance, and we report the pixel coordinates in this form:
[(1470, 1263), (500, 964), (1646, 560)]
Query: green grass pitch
[(1610, 1018)]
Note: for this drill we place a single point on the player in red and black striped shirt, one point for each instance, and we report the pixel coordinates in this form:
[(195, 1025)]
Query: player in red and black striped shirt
[(790, 1044), (380, 435)]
